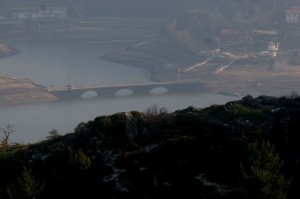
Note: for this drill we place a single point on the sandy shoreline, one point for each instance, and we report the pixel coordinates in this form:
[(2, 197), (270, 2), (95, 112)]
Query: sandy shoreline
[(15, 90)]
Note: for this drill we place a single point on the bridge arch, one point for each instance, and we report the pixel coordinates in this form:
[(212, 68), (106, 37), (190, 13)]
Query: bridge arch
[(89, 94), (123, 92), (159, 90)]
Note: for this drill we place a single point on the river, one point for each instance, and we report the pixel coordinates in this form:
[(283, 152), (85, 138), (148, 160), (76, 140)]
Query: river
[(57, 63)]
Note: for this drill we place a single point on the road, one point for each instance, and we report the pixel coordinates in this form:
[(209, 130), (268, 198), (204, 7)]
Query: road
[(199, 64), (223, 67)]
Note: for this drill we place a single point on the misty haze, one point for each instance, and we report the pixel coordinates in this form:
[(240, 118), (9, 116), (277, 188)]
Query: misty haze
[(69, 67), (48, 46)]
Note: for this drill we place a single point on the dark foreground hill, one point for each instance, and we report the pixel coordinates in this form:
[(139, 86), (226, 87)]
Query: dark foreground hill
[(243, 149)]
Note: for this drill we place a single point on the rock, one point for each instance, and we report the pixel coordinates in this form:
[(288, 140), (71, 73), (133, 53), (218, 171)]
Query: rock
[(190, 109), (131, 128)]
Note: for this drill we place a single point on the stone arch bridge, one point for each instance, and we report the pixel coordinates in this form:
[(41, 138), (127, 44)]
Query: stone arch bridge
[(69, 92)]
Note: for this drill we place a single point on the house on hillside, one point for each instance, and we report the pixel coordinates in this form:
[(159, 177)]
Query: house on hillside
[(42, 12), (292, 15)]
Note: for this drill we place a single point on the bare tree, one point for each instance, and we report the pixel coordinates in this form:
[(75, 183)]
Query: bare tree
[(154, 110), (7, 131)]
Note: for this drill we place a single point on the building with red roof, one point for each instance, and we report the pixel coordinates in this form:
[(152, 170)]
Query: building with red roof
[(292, 15)]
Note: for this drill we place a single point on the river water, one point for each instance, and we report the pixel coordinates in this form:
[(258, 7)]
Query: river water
[(57, 63)]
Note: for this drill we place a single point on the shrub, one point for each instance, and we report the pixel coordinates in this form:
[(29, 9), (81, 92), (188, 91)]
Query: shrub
[(30, 187), (79, 159), (239, 110), (264, 171)]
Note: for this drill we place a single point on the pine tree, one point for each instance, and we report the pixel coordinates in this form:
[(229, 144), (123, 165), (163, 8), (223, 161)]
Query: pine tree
[(29, 185), (265, 171)]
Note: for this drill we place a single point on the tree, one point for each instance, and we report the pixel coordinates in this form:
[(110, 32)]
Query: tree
[(53, 134), (29, 185), (7, 131), (265, 171), (155, 111)]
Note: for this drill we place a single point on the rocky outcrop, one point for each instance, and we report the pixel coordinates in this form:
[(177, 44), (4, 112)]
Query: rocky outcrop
[(131, 128)]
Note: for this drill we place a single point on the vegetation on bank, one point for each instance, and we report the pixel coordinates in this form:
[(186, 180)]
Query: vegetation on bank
[(243, 149)]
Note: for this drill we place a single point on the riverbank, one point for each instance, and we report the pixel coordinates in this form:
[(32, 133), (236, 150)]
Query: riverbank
[(237, 79), (15, 90), (281, 79)]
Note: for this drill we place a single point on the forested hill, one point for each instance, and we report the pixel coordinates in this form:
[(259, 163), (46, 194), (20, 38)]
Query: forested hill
[(243, 149)]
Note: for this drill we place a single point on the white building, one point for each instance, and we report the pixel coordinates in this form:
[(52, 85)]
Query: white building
[(39, 12), (292, 15), (273, 49)]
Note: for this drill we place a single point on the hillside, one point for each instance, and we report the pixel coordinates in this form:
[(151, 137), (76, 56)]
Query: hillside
[(243, 149), (149, 8)]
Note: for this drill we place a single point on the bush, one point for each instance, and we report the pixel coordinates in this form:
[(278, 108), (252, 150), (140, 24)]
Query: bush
[(29, 186), (239, 110), (79, 159), (265, 171)]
